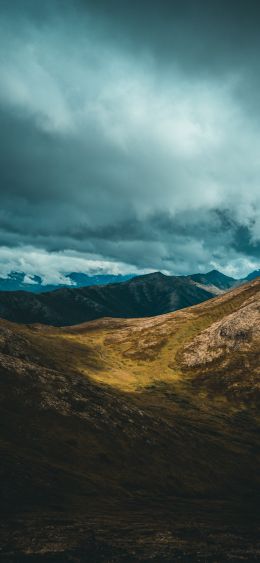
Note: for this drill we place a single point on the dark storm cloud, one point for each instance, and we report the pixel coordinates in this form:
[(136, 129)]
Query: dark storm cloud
[(206, 36), (204, 31), (130, 133)]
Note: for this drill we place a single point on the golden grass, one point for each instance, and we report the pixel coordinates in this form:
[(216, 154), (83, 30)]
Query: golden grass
[(131, 354)]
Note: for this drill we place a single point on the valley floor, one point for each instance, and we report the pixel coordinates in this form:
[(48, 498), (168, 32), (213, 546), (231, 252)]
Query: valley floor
[(179, 530)]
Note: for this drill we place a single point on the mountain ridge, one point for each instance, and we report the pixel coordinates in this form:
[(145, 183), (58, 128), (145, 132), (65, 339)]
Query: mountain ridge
[(141, 296)]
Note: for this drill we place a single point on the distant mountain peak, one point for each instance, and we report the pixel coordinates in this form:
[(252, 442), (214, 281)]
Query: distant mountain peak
[(215, 272), (151, 276), (214, 278)]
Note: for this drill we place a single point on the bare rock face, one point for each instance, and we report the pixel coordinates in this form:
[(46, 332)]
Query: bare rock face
[(237, 332)]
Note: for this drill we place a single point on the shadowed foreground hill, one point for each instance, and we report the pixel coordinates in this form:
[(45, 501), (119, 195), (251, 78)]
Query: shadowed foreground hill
[(147, 295), (133, 440)]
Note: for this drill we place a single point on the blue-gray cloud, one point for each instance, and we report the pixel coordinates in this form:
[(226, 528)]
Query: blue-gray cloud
[(131, 133)]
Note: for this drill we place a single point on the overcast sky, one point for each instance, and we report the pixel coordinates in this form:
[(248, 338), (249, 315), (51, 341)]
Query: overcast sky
[(130, 136)]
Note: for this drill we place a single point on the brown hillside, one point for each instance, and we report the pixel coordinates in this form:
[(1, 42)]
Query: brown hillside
[(107, 424)]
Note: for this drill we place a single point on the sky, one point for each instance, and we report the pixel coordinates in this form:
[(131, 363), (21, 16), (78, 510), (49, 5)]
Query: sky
[(130, 136)]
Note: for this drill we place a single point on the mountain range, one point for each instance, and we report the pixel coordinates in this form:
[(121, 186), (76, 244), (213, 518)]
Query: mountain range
[(134, 439), (16, 281), (141, 296)]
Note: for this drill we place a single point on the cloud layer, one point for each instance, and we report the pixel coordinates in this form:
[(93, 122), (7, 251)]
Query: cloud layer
[(131, 135)]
